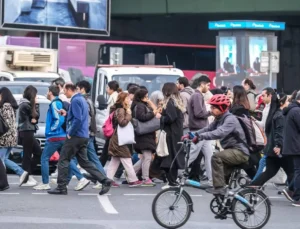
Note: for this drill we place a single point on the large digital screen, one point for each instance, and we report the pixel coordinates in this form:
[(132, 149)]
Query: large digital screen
[(227, 54), (91, 17), (256, 46)]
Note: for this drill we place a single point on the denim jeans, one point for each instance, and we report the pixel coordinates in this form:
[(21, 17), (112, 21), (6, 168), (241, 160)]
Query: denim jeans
[(262, 165), (4, 154), (49, 150), (73, 170), (92, 155)]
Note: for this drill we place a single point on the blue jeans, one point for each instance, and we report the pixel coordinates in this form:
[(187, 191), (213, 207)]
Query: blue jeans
[(92, 155), (4, 154), (49, 150), (73, 170), (262, 165)]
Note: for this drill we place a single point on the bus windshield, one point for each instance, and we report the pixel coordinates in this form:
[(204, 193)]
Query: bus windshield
[(153, 82)]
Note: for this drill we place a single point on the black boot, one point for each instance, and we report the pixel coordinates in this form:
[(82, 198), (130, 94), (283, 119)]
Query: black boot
[(58, 191), (106, 187)]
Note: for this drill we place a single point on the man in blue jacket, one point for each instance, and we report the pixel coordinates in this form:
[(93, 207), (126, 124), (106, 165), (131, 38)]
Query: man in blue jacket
[(76, 143), (55, 137)]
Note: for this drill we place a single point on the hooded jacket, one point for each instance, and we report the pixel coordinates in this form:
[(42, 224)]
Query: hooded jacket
[(55, 121), (198, 115), (226, 128), (291, 131), (185, 95), (25, 116)]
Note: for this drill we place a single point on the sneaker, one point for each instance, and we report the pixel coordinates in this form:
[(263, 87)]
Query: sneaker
[(135, 184), (55, 174), (31, 179), (168, 185), (208, 183), (115, 185), (148, 183), (53, 181), (288, 194), (24, 178), (296, 203), (217, 191), (42, 187), (30, 183), (97, 186), (82, 184)]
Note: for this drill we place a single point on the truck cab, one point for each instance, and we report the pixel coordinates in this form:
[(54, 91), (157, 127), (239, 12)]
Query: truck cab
[(18, 63)]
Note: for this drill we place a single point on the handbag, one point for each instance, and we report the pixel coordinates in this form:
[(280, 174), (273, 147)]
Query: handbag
[(126, 135), (3, 126), (150, 126), (162, 147)]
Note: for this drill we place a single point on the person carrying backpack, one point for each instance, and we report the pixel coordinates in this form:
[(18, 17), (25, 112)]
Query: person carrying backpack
[(250, 89), (225, 127)]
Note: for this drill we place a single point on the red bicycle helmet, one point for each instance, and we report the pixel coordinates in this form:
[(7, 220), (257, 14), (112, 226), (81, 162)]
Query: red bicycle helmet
[(219, 100)]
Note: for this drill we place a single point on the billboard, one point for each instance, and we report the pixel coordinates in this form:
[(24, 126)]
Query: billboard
[(89, 17)]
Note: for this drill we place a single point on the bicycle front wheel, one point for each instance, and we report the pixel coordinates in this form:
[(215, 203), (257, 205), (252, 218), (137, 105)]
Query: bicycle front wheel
[(260, 215), (170, 209)]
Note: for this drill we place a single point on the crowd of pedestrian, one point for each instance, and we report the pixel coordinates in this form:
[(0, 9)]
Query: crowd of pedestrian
[(142, 133)]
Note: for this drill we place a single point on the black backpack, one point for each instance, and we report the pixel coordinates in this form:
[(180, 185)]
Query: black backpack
[(65, 106)]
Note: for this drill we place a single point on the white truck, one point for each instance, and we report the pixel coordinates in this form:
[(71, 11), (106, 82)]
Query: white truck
[(153, 77), (19, 63)]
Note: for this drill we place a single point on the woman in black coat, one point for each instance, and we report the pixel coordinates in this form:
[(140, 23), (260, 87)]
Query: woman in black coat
[(144, 110), (274, 132), (27, 126), (172, 124)]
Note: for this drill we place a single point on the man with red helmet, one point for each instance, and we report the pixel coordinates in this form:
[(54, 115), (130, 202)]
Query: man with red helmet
[(225, 128)]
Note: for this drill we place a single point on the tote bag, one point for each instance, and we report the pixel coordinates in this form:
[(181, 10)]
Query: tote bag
[(150, 126), (126, 135), (162, 147)]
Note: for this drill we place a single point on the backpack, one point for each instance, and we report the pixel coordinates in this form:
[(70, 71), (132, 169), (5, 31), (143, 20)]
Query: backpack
[(107, 127), (255, 137), (65, 106)]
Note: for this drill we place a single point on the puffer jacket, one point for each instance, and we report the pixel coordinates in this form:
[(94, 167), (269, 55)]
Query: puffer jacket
[(185, 95), (226, 128), (25, 116), (143, 113)]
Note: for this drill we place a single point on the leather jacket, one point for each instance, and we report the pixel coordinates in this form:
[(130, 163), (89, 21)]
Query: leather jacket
[(25, 116)]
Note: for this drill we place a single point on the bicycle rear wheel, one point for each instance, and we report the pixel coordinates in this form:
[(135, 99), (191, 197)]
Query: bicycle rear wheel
[(170, 215), (251, 220)]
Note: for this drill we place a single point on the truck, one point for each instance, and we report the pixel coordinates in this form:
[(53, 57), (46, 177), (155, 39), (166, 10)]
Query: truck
[(19, 63), (151, 76)]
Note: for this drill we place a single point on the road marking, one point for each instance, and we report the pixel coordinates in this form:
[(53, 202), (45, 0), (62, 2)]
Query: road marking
[(91, 194), (107, 205), (196, 195), (275, 197), (14, 183), (139, 194), (9, 193), (39, 193)]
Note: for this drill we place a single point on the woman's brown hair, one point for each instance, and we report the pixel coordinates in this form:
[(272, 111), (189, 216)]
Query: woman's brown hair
[(121, 99), (240, 97)]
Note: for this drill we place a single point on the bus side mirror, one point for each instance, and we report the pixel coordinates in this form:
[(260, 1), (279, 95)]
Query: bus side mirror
[(102, 105)]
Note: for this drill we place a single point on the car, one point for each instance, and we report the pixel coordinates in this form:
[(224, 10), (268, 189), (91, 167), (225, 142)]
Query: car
[(18, 87), (17, 152)]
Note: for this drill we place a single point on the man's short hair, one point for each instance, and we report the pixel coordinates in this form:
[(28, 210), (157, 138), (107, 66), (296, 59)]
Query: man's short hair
[(298, 96), (84, 84), (184, 81), (59, 82), (269, 90), (54, 90), (131, 85), (133, 89), (202, 79), (70, 86)]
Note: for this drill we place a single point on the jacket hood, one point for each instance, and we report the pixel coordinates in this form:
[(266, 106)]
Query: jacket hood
[(291, 106), (22, 100), (188, 90)]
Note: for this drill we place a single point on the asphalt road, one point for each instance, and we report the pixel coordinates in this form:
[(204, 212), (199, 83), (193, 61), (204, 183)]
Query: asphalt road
[(25, 208)]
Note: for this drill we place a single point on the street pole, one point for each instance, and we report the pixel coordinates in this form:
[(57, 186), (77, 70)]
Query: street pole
[(270, 69)]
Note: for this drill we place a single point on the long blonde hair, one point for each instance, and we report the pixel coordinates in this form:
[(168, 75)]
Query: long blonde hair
[(170, 92)]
